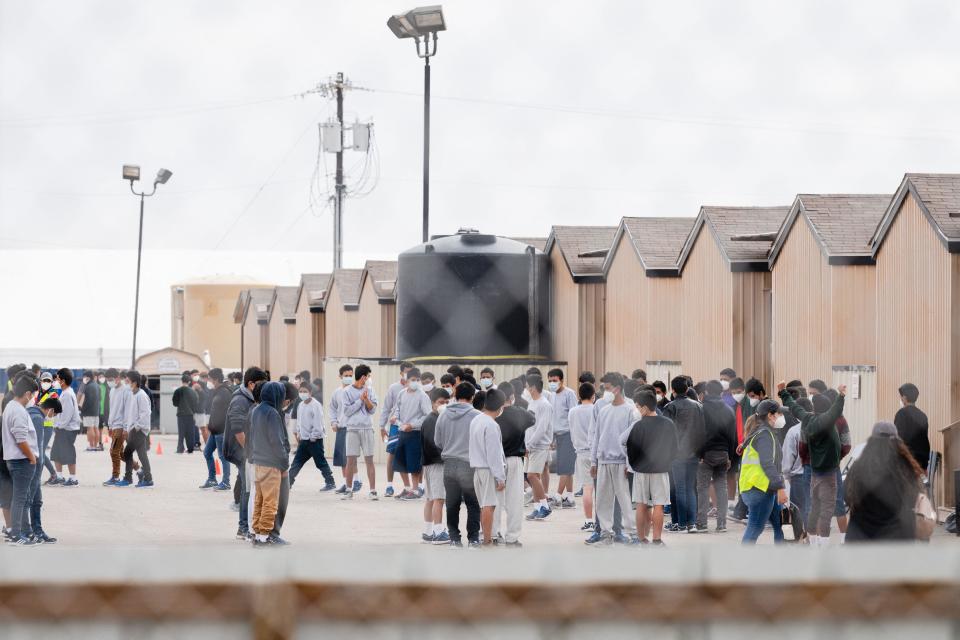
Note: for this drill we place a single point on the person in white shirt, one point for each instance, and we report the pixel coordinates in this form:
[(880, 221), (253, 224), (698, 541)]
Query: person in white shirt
[(392, 437), (411, 409), (582, 432), (538, 440), (310, 434), (137, 423), (487, 460), (20, 453), (66, 426), (562, 401)]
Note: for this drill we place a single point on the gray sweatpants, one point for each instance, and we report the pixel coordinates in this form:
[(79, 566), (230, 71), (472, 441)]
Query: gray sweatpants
[(612, 485), (512, 506)]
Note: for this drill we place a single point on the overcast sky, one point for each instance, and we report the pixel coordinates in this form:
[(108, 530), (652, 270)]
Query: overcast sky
[(544, 113)]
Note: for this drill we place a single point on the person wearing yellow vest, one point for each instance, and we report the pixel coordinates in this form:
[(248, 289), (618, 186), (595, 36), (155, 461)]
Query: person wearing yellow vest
[(47, 391), (761, 478)]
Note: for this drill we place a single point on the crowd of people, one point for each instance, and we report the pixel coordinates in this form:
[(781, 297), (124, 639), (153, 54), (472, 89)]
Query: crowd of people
[(642, 458)]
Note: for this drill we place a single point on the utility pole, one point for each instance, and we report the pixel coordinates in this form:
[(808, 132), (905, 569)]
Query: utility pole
[(426, 143), (333, 140), (338, 195)]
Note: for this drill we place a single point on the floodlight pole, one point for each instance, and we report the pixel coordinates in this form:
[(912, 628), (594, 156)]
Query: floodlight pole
[(136, 299), (427, 53)]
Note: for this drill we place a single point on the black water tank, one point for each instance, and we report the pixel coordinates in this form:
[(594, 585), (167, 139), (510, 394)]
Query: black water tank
[(472, 294)]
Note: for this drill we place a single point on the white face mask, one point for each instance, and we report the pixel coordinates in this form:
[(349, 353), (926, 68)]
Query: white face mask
[(449, 390), (346, 380), (725, 384), (126, 383), (31, 402), (304, 396), (608, 396), (738, 397), (414, 384), (780, 423), (754, 402), (428, 386), (86, 380), (486, 382), (56, 385), (111, 384), (441, 408), (101, 379), (196, 378), (659, 398), (45, 386), (210, 384), (553, 386)]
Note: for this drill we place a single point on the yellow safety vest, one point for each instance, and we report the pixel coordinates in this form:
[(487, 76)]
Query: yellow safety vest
[(751, 471)]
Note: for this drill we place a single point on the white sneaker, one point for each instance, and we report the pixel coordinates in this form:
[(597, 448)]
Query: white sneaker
[(373, 495), (347, 496)]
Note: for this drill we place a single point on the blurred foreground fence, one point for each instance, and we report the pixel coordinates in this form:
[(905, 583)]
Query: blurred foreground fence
[(401, 592)]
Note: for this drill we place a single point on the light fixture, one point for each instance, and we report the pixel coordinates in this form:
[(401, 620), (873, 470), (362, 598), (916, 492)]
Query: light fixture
[(162, 176), (427, 19), (131, 172), (401, 27)]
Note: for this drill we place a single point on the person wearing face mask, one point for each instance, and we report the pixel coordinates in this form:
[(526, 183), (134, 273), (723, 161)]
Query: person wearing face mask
[(687, 415), (236, 428), (89, 401), (392, 437), (219, 400), (20, 456), (719, 447), (137, 421), (452, 437), (104, 392), (561, 402), (32, 523), (340, 440), (823, 440), (310, 436), (538, 440), (186, 401), (200, 386), (412, 408), (357, 407), (726, 377), (448, 383), (432, 463), (913, 428), (66, 427), (761, 478), (47, 391), (270, 455), (116, 423), (487, 460), (487, 379), (514, 423)]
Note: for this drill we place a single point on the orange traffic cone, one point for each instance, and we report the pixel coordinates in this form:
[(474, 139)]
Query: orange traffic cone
[(159, 449), (216, 462)]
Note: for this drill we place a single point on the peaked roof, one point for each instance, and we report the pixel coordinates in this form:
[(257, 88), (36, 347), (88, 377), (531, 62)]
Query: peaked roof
[(656, 241), (537, 243), (348, 283), (842, 225), (754, 227), (938, 196), (313, 291), (584, 250), (240, 308), (260, 301), (286, 303), (383, 278)]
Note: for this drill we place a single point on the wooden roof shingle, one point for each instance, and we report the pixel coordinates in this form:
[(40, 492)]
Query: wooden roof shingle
[(348, 283), (313, 291), (938, 196), (383, 278), (584, 249), (744, 235)]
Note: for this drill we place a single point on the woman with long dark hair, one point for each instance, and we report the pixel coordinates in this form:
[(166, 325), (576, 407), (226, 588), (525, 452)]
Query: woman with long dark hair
[(881, 489)]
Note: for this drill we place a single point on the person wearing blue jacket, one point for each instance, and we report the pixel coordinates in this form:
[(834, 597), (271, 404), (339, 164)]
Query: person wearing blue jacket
[(270, 455)]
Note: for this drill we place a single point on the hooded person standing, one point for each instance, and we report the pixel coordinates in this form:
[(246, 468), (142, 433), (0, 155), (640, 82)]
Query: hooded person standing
[(236, 429), (718, 450), (270, 455), (452, 437)]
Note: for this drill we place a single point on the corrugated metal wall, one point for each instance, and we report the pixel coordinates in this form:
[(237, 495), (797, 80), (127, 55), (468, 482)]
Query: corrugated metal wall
[(628, 315), (342, 326), (388, 330), (801, 309), (750, 326), (707, 311), (854, 314), (565, 311), (318, 322), (303, 338), (591, 330), (370, 318), (916, 297), (860, 412)]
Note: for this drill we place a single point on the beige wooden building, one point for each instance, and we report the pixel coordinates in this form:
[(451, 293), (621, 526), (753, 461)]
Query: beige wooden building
[(644, 296), (824, 299), (311, 322), (342, 320), (201, 317), (378, 310), (282, 332), (578, 296), (917, 251), (726, 299), (252, 313)]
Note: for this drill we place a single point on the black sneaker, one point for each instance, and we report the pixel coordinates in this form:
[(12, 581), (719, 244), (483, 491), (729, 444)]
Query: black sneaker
[(513, 545), (242, 533), (702, 529), (260, 544), (43, 538), (24, 541), (457, 544), (277, 540), (721, 528)]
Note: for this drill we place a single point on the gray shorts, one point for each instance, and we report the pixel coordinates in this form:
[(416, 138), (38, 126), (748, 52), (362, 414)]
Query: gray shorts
[(566, 455), (433, 482), (537, 461), (485, 485), (200, 419), (584, 464), (360, 443), (651, 489), (90, 421)]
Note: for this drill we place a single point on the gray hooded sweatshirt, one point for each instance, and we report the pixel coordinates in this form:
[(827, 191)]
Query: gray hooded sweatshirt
[(452, 434)]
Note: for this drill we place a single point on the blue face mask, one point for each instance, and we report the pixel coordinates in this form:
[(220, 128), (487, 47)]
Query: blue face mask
[(347, 380), (553, 386), (414, 384)]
